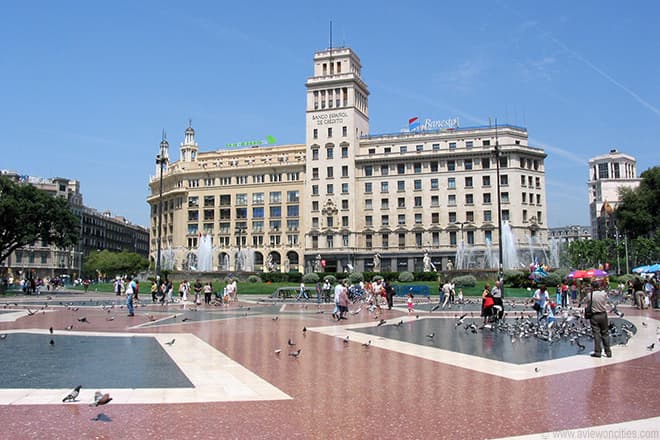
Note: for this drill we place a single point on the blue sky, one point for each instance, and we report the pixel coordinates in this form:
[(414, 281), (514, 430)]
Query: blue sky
[(87, 87)]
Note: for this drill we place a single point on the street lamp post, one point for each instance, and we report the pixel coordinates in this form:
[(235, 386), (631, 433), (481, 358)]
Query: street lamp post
[(618, 264), (500, 274), (161, 160)]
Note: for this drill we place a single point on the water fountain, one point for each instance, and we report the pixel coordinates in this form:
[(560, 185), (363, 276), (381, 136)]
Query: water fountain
[(245, 260), (490, 259), (205, 254), (168, 259), (463, 256), (509, 250), (554, 245)]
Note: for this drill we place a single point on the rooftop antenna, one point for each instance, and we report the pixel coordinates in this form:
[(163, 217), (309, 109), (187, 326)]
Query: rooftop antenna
[(330, 37), (189, 122), (164, 135)]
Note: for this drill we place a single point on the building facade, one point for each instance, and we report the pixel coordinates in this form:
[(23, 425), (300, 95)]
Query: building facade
[(567, 234), (98, 231), (350, 200), (608, 173)]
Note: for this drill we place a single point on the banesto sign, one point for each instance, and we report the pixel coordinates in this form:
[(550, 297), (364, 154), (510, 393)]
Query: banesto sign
[(329, 118)]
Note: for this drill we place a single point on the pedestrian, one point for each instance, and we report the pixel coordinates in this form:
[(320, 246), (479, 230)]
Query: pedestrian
[(596, 311), (441, 293), (197, 288), (302, 292), (540, 298), (326, 290), (117, 286), (154, 291), (410, 302), (343, 301), (338, 289), (208, 290), (130, 289), (498, 306), (319, 292), (487, 303), (389, 295)]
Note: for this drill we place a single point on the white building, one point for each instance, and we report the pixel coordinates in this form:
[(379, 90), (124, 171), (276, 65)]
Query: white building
[(608, 173), (346, 195)]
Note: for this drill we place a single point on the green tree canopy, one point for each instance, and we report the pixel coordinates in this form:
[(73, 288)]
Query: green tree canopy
[(28, 214), (111, 264), (637, 214)]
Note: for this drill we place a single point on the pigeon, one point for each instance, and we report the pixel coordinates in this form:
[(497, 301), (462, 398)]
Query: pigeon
[(30, 312), (644, 324), (101, 399), (651, 347), (367, 344), (83, 319), (381, 322), (291, 342), (435, 307), (52, 343), (296, 353), (355, 312), (346, 340), (278, 351), (51, 330), (185, 319), (431, 335), (304, 329), (537, 369), (170, 343), (399, 324), (580, 346), (100, 417), (275, 318), (73, 395), (69, 327), (3, 336), (110, 318)]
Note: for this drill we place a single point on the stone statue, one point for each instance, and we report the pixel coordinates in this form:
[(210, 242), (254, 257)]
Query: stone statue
[(450, 265), (269, 263), (287, 265), (317, 264), (377, 262), (428, 265)]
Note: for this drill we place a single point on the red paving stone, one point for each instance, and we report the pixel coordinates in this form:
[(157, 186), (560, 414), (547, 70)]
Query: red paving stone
[(344, 391)]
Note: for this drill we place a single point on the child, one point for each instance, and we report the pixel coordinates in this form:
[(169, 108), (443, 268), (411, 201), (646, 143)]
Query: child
[(410, 302), (460, 296)]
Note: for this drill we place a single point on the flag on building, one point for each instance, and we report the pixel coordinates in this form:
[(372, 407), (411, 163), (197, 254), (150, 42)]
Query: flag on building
[(413, 124)]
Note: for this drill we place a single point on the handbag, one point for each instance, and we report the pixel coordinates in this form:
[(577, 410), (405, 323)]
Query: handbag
[(588, 312), (488, 302)]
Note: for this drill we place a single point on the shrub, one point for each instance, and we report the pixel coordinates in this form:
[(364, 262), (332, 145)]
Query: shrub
[(465, 281), (516, 278), (406, 277), (553, 279), (254, 279), (376, 278), (426, 276), (331, 278), (355, 277), (310, 278)]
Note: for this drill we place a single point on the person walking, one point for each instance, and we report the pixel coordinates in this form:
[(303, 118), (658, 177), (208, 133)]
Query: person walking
[(343, 302), (389, 295), (498, 306), (130, 289), (598, 319), (302, 292), (197, 287), (208, 290)]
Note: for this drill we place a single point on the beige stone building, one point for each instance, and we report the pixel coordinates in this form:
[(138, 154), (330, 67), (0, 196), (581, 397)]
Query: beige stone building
[(608, 173), (348, 199)]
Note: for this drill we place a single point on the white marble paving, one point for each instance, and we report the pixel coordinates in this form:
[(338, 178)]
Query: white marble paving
[(216, 377), (636, 348), (636, 429)]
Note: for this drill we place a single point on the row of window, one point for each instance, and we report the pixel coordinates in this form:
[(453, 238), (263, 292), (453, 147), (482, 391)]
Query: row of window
[(344, 132), (242, 213), (258, 198), (402, 239), (329, 98), (293, 176), (329, 152)]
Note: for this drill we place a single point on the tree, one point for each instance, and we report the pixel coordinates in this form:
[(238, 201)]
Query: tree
[(108, 264), (28, 214), (637, 214)]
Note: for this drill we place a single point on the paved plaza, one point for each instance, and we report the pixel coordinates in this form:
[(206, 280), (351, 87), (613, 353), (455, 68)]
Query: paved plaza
[(196, 372)]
